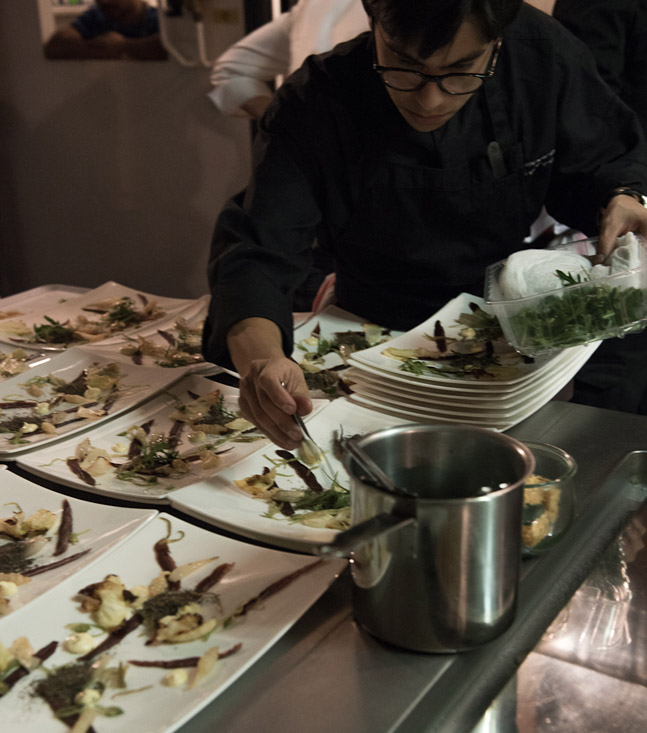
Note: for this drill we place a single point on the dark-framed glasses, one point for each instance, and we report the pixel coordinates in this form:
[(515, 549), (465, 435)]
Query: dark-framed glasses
[(407, 80)]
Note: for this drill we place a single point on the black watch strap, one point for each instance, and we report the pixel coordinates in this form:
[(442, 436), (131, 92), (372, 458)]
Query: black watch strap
[(626, 191)]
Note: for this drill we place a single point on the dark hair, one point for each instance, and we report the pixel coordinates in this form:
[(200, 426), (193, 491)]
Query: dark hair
[(431, 24)]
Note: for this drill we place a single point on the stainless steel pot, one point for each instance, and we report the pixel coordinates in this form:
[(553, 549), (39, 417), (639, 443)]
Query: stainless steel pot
[(435, 563)]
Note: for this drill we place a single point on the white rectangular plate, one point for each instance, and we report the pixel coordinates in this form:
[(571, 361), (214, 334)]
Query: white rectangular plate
[(162, 709), (136, 385), (100, 528), (221, 503), (494, 406), (51, 462), (503, 422), (42, 298), (74, 307), (417, 337), (194, 315), (330, 321)]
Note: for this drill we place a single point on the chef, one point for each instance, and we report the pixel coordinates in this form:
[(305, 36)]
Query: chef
[(417, 153)]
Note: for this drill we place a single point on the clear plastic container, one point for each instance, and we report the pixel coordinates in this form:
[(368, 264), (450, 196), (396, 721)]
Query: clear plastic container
[(581, 313), (547, 498)]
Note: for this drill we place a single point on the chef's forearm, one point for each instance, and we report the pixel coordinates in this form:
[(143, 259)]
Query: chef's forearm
[(251, 339)]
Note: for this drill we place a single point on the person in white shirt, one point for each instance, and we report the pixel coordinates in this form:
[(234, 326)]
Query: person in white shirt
[(241, 75)]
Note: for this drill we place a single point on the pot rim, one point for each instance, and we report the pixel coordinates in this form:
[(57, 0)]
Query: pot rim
[(520, 447)]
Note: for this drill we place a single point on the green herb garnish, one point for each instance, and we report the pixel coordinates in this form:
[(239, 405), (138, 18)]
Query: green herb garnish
[(124, 313), (579, 315), (54, 332)]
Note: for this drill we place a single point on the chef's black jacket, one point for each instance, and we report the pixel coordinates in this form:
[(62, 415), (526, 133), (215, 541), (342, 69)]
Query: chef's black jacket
[(616, 33), (414, 218)]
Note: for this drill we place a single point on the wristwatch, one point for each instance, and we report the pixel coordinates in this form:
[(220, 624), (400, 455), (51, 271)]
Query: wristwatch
[(627, 191)]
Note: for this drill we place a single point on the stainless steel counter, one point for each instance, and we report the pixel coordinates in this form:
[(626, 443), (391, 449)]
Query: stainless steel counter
[(327, 674)]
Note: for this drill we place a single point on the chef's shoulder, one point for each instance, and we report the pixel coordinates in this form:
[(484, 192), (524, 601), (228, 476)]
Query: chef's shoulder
[(336, 83), (541, 47)]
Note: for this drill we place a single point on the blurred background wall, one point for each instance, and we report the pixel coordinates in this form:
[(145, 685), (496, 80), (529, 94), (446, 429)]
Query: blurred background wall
[(111, 170)]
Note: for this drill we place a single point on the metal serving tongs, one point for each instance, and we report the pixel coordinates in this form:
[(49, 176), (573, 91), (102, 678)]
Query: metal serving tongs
[(313, 453)]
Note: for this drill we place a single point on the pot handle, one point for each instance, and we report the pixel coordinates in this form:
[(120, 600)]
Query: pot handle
[(377, 526)]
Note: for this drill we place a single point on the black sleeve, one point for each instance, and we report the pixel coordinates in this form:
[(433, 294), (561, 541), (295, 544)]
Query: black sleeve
[(616, 33), (599, 144), (605, 27), (262, 245)]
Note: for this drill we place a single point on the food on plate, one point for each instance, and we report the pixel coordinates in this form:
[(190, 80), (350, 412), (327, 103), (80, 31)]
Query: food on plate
[(479, 351), (18, 660), (344, 343), (29, 537), (540, 510), (14, 362), (115, 315), (181, 345), (50, 402), (294, 492), (146, 456), (330, 380), (165, 610)]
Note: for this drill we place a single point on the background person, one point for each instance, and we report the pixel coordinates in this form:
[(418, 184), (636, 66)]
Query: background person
[(242, 74), (110, 29), (414, 188)]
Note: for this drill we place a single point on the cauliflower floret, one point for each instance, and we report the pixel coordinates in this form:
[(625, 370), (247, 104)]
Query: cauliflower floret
[(176, 678), (185, 625), (80, 643), (112, 609), (87, 697), (7, 589)]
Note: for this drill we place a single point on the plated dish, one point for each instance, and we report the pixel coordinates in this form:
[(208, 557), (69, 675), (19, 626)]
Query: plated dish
[(67, 394), (175, 343), (42, 298), (103, 314), (323, 344), (35, 556), (247, 596), (222, 503), (188, 432), (505, 408), (456, 367), (425, 338)]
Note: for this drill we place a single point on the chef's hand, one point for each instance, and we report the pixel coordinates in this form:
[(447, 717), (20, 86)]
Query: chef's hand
[(622, 214), (272, 386)]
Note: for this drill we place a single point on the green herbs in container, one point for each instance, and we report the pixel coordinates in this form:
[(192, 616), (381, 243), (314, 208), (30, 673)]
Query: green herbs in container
[(549, 300)]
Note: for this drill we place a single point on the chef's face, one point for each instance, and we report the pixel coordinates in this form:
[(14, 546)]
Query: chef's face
[(429, 108)]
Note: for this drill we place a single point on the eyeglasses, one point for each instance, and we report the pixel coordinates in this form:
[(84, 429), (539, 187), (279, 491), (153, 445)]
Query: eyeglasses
[(407, 80)]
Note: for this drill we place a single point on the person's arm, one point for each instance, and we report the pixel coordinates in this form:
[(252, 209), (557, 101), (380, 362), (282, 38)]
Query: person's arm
[(600, 146), (272, 387), (261, 252), (240, 76), (68, 43)]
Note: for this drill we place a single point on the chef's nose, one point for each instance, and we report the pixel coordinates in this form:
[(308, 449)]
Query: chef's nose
[(431, 96)]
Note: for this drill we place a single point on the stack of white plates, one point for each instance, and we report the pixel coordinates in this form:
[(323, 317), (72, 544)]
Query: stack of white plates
[(378, 381)]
